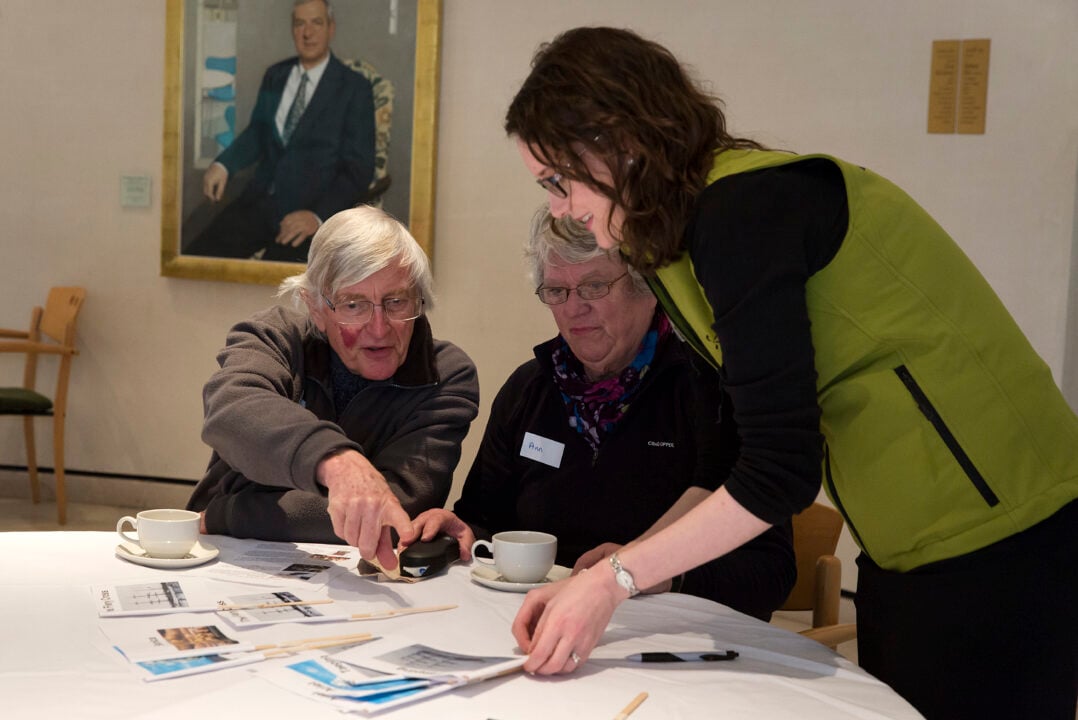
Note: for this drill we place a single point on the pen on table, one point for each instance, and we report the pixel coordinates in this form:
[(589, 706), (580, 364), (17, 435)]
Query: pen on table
[(628, 709), (705, 656)]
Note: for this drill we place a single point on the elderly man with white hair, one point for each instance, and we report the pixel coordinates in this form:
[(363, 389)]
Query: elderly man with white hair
[(337, 419)]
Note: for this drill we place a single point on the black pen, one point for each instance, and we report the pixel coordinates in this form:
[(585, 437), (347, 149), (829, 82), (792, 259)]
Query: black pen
[(705, 656)]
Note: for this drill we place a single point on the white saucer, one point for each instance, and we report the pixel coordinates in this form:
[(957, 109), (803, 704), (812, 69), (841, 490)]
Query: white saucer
[(201, 553), (486, 575)]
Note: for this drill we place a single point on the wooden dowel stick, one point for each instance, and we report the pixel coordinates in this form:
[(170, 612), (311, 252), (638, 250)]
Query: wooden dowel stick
[(309, 641), (400, 611), (628, 709), (315, 645), (260, 606)]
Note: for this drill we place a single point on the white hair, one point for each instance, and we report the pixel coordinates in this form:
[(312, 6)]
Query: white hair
[(353, 245), (565, 239)]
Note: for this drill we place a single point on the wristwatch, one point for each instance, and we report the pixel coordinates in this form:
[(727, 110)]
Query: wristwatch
[(623, 576)]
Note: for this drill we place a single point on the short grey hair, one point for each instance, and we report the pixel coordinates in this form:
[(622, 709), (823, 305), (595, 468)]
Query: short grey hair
[(329, 7), (565, 239), (353, 245)]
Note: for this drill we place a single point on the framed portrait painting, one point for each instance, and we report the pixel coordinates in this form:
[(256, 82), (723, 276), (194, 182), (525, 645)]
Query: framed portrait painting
[(248, 151)]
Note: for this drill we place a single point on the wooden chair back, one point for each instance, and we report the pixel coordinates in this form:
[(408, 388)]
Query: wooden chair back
[(52, 332), (56, 322), (819, 573)]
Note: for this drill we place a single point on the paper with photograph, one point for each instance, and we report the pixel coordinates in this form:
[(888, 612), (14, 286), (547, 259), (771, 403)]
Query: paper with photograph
[(154, 598), (275, 563), (197, 595), (282, 606), (151, 670), (402, 656), (138, 642)]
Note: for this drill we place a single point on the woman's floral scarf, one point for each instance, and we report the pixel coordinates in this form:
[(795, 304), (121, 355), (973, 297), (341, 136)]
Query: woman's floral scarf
[(595, 408)]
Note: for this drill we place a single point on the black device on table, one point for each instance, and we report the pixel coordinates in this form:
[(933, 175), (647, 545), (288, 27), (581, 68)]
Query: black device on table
[(428, 557)]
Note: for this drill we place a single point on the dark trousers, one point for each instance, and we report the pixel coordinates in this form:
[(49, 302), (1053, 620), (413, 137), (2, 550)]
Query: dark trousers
[(991, 634), (242, 228)]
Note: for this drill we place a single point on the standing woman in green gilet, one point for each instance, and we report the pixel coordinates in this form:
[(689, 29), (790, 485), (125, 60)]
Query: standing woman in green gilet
[(859, 347)]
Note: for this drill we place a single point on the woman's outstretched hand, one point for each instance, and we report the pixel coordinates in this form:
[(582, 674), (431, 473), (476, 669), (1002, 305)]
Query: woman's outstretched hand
[(559, 625)]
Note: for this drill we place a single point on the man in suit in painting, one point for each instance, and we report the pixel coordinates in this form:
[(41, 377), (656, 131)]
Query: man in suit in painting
[(312, 136)]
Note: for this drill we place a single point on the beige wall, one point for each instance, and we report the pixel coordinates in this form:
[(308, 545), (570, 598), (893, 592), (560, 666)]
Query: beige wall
[(81, 89)]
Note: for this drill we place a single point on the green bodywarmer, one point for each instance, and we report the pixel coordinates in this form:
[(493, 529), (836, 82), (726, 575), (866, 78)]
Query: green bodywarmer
[(944, 430)]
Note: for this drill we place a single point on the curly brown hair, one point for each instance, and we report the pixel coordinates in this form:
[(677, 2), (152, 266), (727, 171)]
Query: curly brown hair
[(627, 100)]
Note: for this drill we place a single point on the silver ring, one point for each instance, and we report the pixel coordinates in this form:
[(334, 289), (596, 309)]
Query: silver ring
[(574, 657)]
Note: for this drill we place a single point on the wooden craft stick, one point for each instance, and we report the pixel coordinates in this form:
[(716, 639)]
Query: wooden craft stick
[(499, 674), (628, 709), (301, 643), (313, 646), (260, 606), (507, 671), (329, 638), (400, 611)]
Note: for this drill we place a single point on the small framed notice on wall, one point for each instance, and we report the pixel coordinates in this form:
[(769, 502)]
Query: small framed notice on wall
[(958, 86), (943, 86)]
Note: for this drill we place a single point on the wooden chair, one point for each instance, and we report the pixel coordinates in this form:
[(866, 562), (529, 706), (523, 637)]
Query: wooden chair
[(52, 331), (819, 574)]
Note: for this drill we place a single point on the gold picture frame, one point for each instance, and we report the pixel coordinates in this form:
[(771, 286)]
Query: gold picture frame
[(420, 201)]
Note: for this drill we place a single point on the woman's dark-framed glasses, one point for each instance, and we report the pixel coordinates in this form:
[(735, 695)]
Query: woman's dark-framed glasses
[(591, 290), (360, 312), (552, 184)]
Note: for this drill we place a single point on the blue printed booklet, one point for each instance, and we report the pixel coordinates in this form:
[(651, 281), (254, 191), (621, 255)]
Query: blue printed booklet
[(325, 679), (383, 674)]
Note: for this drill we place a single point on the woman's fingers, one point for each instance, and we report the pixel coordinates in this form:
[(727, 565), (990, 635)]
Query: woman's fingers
[(527, 618), (566, 617)]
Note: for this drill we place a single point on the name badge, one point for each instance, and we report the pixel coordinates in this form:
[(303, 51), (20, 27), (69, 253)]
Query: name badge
[(542, 450)]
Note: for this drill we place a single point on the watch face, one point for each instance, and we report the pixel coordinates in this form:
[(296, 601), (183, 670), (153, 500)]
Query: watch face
[(623, 576)]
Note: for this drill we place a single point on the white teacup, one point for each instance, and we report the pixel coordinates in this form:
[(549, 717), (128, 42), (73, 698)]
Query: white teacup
[(162, 533), (520, 556)]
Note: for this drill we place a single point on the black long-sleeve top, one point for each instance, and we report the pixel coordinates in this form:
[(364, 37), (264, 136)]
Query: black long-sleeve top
[(677, 433), (755, 239)]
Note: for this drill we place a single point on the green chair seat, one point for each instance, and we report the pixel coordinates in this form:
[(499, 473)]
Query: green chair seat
[(19, 401)]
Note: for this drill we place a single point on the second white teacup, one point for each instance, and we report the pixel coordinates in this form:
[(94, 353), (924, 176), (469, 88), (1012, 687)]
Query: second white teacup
[(162, 533), (520, 556)]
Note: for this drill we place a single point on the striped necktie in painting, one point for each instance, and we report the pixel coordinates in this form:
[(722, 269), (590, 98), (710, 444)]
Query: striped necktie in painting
[(299, 104)]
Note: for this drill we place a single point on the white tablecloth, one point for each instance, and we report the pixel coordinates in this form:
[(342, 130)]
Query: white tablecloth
[(55, 664)]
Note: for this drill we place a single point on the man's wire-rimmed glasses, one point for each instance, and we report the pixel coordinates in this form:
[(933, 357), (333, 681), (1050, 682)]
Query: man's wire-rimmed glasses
[(591, 290), (360, 312)]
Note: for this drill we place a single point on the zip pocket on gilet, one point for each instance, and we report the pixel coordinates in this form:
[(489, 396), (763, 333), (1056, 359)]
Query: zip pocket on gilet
[(926, 407)]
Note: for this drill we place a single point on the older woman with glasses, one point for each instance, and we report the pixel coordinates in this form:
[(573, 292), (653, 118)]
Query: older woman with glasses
[(629, 425), (339, 419)]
